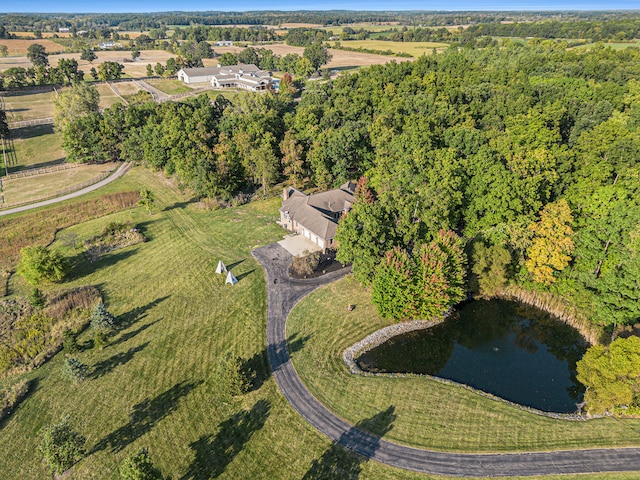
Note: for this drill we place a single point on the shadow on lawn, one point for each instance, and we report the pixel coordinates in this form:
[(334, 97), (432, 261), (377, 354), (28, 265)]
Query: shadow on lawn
[(134, 315), (32, 387), (339, 462), (214, 454), (144, 416), (105, 366), (256, 368)]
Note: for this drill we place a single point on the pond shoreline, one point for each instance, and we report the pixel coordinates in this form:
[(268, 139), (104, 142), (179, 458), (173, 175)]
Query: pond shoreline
[(382, 335)]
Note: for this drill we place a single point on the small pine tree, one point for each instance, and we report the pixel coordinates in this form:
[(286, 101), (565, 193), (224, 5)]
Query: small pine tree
[(231, 380), (139, 467), (101, 319), (61, 446), (69, 342), (147, 200), (36, 299), (75, 370)]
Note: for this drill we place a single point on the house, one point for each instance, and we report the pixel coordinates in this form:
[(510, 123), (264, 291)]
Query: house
[(248, 77), (316, 216), (109, 45), (63, 30), (197, 75), (223, 44)]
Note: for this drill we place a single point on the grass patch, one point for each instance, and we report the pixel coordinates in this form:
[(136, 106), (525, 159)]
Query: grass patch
[(31, 189), (415, 49), (40, 226), (37, 146), (170, 87), (28, 106), (152, 385), (429, 414), (107, 97)]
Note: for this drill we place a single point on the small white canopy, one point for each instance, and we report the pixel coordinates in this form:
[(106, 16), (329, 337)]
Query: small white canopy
[(221, 268), (231, 278)]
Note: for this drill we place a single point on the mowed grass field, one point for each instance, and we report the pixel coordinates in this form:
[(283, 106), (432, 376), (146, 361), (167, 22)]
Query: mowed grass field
[(28, 105), (170, 87), (415, 49), (37, 146), (153, 385), (428, 414), (37, 187)]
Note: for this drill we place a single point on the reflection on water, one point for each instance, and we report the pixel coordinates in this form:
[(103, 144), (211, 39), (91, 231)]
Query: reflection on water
[(509, 349)]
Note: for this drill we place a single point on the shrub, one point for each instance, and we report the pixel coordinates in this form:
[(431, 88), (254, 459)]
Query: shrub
[(139, 467), (306, 264), (61, 446), (69, 342), (39, 264)]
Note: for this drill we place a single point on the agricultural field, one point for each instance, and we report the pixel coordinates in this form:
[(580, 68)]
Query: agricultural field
[(19, 46), (341, 58), (126, 88), (38, 187), (611, 45), (22, 106), (415, 49)]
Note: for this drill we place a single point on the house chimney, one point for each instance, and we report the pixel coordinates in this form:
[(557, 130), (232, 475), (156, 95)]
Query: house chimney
[(285, 193)]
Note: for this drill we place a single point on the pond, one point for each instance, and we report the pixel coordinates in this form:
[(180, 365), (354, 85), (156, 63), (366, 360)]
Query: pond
[(506, 348)]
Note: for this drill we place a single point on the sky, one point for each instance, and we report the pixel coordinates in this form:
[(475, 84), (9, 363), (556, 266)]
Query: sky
[(84, 6)]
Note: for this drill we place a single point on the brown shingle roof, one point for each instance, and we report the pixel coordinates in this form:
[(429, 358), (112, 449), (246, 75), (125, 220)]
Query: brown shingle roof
[(319, 213)]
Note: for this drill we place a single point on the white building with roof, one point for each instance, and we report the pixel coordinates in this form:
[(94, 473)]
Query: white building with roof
[(245, 76), (316, 216)]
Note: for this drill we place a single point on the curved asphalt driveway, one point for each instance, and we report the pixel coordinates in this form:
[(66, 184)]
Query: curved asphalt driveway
[(117, 174), (284, 293)]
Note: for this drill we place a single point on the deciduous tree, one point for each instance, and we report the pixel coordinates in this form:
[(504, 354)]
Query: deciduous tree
[(61, 446)]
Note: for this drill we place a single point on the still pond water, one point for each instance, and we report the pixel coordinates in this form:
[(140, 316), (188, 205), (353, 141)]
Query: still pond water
[(509, 349)]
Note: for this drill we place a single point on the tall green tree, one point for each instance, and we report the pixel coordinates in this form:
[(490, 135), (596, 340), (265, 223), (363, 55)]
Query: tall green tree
[(78, 101), (37, 55), (612, 377), (38, 265), (317, 54)]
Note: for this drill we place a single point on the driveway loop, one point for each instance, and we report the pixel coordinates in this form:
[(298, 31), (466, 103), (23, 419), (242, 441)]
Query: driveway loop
[(284, 295)]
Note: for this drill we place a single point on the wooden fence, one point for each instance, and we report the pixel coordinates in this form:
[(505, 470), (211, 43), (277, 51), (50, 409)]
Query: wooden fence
[(41, 171)]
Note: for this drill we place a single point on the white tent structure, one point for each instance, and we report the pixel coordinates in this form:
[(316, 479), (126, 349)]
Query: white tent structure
[(221, 268), (231, 278)]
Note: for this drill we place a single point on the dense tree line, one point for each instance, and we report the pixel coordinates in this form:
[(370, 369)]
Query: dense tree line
[(217, 149), (529, 153)]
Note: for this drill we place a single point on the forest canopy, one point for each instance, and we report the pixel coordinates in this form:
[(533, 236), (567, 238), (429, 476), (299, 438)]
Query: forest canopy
[(516, 149)]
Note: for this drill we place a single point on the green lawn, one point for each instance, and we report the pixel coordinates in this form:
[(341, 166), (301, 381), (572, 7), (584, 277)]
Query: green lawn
[(153, 385), (429, 414), (170, 87), (37, 146)]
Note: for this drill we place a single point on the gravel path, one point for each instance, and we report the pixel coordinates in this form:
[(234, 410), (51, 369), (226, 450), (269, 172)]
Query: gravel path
[(118, 173), (284, 292)]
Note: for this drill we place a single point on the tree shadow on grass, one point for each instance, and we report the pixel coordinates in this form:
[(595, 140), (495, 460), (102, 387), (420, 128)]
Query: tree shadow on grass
[(81, 264), (214, 454), (179, 205), (105, 366), (339, 463), (144, 416), (256, 368), (136, 314), (129, 335)]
